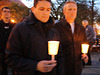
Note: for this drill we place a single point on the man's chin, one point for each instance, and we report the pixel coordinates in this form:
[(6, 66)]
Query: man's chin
[(44, 21)]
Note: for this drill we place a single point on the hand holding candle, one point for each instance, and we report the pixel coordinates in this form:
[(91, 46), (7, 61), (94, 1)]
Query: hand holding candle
[(85, 48), (53, 48)]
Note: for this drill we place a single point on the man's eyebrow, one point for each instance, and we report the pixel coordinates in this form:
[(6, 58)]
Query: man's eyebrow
[(43, 7), (49, 8)]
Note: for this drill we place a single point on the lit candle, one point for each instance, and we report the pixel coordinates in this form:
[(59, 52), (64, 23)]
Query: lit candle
[(13, 21), (53, 48), (85, 48)]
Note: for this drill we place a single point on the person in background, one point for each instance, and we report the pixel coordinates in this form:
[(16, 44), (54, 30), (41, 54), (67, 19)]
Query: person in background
[(27, 47), (56, 20), (5, 28), (95, 37), (90, 35), (72, 35)]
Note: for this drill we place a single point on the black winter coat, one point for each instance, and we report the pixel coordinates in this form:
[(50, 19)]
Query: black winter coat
[(5, 29), (71, 46), (28, 44)]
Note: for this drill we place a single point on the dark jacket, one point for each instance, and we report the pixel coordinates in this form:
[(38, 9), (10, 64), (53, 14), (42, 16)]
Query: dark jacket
[(71, 46), (5, 29), (28, 44), (89, 33)]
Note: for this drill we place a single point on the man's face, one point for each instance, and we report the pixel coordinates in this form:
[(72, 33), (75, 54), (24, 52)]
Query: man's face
[(42, 11), (70, 12), (5, 13), (84, 24)]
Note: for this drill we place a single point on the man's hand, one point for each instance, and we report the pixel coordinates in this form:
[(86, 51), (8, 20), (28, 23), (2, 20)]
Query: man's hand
[(46, 66), (85, 58)]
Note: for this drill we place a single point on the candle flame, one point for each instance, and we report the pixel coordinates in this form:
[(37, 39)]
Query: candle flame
[(53, 47), (13, 21), (85, 48)]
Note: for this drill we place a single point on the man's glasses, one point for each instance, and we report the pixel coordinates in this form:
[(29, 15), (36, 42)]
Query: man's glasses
[(6, 11)]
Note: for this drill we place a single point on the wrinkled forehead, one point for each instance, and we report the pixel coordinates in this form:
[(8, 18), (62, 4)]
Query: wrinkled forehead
[(70, 2), (69, 5), (84, 21), (43, 4), (6, 9), (36, 2)]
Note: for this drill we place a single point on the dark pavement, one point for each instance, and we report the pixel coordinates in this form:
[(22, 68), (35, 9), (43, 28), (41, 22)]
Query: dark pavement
[(93, 69)]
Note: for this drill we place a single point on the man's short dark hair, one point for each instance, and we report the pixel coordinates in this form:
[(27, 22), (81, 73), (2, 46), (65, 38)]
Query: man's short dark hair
[(36, 1), (5, 8)]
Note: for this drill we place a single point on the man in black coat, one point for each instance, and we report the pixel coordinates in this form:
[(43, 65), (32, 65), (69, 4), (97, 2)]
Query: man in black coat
[(27, 47), (5, 29), (72, 35)]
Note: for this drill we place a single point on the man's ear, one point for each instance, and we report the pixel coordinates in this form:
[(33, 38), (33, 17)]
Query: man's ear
[(32, 9)]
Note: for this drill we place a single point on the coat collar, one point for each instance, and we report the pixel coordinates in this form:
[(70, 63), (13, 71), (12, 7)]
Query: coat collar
[(65, 23), (7, 24), (87, 26), (67, 26), (41, 27)]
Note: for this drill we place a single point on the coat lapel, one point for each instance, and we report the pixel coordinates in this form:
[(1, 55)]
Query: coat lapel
[(67, 27)]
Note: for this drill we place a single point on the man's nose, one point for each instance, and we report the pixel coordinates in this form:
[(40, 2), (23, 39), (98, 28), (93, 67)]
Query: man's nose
[(45, 12)]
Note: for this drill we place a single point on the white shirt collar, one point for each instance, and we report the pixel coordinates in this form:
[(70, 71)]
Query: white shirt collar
[(72, 27)]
